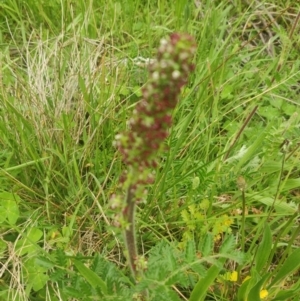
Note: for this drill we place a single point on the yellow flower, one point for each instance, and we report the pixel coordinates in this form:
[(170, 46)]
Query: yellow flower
[(231, 276), (234, 276), (263, 294)]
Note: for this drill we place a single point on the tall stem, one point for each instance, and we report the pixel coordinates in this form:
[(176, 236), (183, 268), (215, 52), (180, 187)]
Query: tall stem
[(130, 238)]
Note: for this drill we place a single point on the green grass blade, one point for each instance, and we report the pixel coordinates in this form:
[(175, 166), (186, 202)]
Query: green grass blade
[(253, 149), (286, 294), (291, 264), (254, 294), (201, 288), (92, 278), (264, 249)]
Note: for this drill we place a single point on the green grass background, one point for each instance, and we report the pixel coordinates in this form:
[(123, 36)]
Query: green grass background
[(71, 73)]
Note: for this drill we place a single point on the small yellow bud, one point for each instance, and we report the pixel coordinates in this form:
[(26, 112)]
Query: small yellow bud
[(263, 294), (231, 276)]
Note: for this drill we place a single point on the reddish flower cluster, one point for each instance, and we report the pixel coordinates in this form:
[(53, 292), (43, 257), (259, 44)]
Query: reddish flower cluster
[(149, 126), (151, 119)]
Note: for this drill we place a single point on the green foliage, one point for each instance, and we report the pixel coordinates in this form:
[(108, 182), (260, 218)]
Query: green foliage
[(264, 249), (71, 74), (9, 210)]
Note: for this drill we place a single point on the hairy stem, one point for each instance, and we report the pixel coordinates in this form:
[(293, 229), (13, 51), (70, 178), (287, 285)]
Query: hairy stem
[(243, 219), (130, 238)]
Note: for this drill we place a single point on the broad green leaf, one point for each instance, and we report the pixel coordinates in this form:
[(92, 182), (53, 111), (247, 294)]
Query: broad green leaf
[(227, 92), (291, 184), (243, 290), (254, 294), (286, 295), (8, 207), (271, 166), (288, 109), (264, 249), (291, 264), (201, 288), (23, 246), (28, 243), (34, 234), (269, 112), (39, 281), (253, 149), (66, 232), (247, 285), (36, 275), (280, 206), (92, 278), (12, 212), (137, 91)]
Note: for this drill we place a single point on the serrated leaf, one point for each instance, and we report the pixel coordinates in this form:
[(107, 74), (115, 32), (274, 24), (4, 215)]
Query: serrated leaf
[(199, 269), (57, 275), (92, 278), (192, 209), (228, 245), (44, 262), (171, 260), (264, 249), (72, 292), (162, 293), (60, 258), (185, 215), (206, 245), (190, 251)]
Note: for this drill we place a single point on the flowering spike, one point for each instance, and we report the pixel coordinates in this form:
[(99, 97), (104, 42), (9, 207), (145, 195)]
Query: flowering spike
[(152, 117), (148, 128)]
